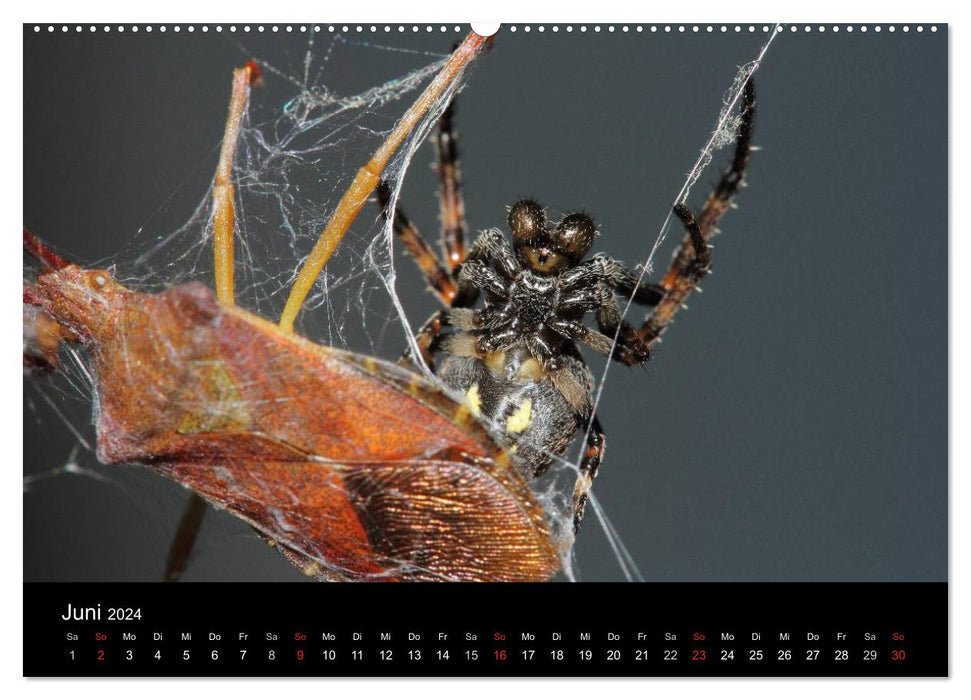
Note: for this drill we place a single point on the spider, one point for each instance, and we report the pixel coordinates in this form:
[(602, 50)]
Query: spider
[(516, 357)]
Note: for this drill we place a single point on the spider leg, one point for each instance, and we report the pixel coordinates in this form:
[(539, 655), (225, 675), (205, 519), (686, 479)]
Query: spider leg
[(582, 285), (588, 287), (734, 178), (438, 278), (577, 332), (506, 338), (489, 264), (224, 231), (686, 280), (475, 276), (428, 338), (539, 347), (630, 348), (492, 247), (692, 260), (589, 465), (624, 282), (450, 202)]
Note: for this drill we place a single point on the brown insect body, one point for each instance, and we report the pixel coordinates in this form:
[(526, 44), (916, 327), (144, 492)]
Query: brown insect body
[(355, 468)]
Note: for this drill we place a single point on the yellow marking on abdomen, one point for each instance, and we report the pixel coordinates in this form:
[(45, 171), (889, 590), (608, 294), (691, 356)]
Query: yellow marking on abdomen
[(520, 419), (473, 400)]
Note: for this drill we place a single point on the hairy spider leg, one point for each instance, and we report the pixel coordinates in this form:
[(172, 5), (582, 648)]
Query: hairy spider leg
[(223, 239), (589, 465), (470, 277), (692, 261), (438, 277), (591, 286), (367, 178), (450, 201), (428, 339)]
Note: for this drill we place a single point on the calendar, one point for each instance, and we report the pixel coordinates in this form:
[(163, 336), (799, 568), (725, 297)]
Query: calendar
[(686, 630), (645, 376)]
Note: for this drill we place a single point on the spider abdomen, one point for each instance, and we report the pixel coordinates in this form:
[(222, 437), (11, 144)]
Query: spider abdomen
[(520, 402)]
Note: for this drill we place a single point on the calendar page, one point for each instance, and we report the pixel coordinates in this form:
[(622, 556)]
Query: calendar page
[(641, 327)]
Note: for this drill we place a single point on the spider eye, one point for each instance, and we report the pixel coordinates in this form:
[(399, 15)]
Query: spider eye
[(574, 235), (526, 220)]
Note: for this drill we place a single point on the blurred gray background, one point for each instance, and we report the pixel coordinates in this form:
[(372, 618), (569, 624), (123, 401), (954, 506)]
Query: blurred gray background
[(793, 424)]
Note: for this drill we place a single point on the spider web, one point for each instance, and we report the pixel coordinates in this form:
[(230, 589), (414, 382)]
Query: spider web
[(304, 136)]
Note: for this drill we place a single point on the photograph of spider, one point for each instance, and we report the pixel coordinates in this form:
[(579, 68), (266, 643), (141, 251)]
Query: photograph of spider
[(746, 448), (517, 359)]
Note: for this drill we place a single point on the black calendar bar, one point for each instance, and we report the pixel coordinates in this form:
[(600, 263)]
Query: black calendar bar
[(694, 629)]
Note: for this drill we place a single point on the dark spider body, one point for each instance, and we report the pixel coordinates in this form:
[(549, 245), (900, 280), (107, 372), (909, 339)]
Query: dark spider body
[(517, 359)]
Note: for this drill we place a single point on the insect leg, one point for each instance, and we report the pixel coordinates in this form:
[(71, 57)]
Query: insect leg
[(223, 192), (691, 262), (41, 253), (185, 537), (367, 178), (224, 231)]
